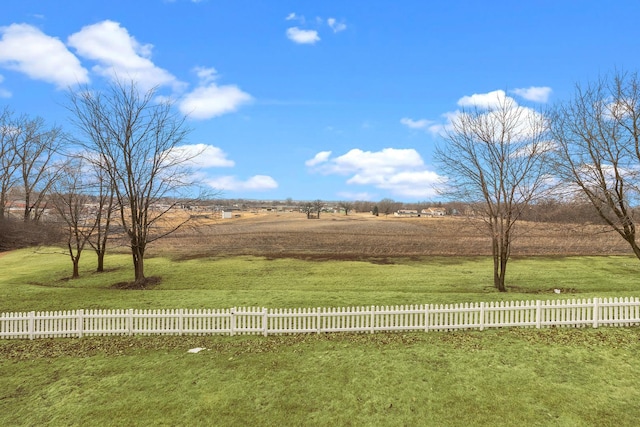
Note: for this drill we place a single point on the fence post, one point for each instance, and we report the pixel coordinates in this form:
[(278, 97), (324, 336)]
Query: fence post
[(180, 321), (265, 321), (318, 319), (373, 319), (130, 321), (32, 323), (426, 317), (596, 312), (481, 315), (233, 321), (538, 314), (80, 321)]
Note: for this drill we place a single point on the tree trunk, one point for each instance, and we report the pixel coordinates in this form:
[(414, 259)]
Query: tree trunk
[(100, 267), (503, 273), (138, 265), (76, 269), (500, 258), (634, 245)]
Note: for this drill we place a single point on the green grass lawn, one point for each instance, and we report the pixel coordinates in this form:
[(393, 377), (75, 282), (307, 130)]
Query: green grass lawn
[(564, 377), (39, 281)]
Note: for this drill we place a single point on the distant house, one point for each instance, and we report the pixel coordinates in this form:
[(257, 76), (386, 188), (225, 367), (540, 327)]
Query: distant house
[(434, 212), (406, 213), (229, 213)]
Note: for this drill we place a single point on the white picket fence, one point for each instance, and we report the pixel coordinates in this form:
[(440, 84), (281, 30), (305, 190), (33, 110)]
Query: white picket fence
[(255, 320)]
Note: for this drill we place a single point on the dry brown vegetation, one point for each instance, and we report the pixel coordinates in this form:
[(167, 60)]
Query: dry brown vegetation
[(16, 234), (361, 236)]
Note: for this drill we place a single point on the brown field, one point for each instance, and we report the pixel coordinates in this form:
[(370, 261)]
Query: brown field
[(360, 236)]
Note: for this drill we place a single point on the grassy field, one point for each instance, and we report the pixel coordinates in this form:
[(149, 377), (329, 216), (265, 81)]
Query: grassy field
[(565, 377), (288, 283)]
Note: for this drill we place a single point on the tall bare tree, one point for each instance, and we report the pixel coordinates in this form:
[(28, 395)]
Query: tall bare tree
[(70, 198), (103, 189), (8, 158), (597, 137), (28, 149), (136, 142), (494, 160), (36, 148)]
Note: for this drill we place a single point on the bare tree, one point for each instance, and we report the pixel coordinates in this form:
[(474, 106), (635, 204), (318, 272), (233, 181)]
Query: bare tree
[(36, 147), (136, 142), (103, 191), (597, 136), (494, 159), (387, 206), (317, 206), (362, 206), (347, 206), (307, 208), (27, 155), (70, 199), (8, 158)]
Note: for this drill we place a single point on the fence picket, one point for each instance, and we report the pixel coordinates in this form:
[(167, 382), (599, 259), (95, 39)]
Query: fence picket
[(614, 312)]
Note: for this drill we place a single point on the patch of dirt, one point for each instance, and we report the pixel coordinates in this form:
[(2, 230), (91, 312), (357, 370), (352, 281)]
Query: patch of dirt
[(149, 283), (378, 240), (330, 257)]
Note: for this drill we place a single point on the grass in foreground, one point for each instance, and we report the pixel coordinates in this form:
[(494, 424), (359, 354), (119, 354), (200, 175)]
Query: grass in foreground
[(494, 378), (39, 281)]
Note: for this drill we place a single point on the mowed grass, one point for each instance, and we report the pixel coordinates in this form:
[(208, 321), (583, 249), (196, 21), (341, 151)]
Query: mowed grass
[(564, 377), (38, 280), (574, 377)]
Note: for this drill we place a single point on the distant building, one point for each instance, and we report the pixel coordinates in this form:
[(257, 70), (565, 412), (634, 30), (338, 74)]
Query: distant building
[(434, 212), (406, 213)]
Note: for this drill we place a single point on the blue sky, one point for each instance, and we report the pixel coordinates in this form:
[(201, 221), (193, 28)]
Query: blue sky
[(331, 100)]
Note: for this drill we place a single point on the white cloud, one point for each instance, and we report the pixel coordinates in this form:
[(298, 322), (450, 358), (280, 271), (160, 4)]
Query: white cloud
[(533, 93), (206, 75), (26, 49), (321, 157), (3, 92), (119, 55), (335, 25), (484, 100), (400, 171), (416, 124), (203, 156), (231, 183), (291, 17), (210, 100), (387, 160), (491, 102), (299, 36)]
